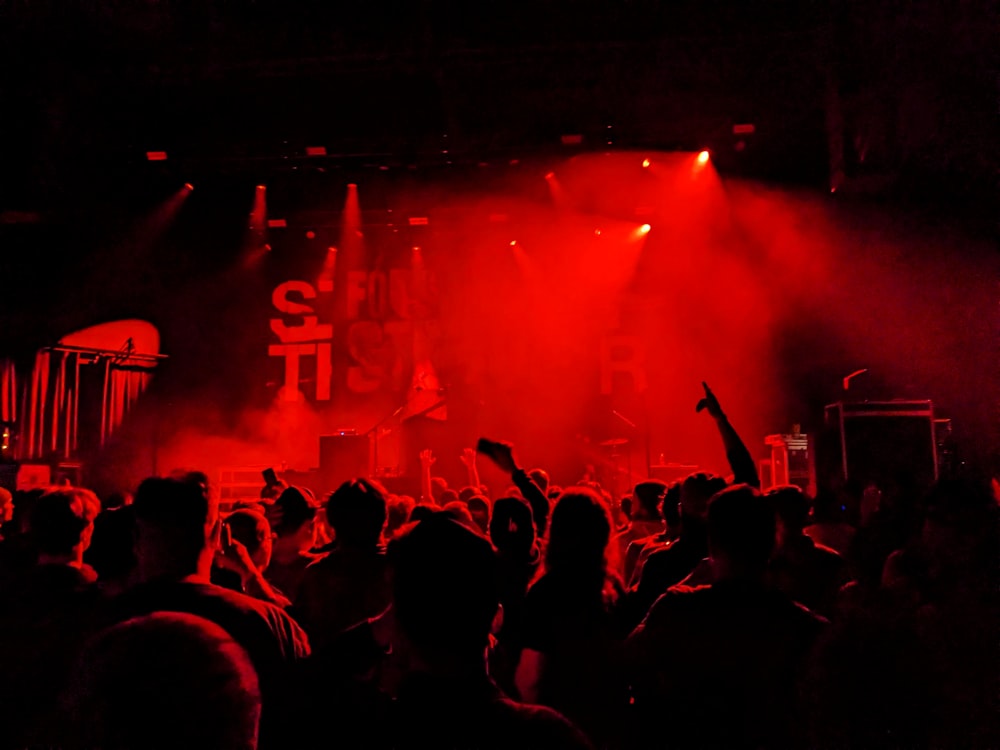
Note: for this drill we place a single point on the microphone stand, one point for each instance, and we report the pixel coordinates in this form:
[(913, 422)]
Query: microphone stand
[(373, 432), (373, 436)]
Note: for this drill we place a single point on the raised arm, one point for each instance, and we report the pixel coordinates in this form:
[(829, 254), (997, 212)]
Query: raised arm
[(468, 458), (426, 491), (740, 461), (502, 454)]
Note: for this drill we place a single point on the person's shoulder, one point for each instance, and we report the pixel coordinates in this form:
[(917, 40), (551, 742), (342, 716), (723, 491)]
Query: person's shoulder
[(540, 586), (294, 640), (827, 555), (801, 616), (540, 726), (678, 599)]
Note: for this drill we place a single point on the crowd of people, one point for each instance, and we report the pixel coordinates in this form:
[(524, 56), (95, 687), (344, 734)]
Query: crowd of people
[(699, 614)]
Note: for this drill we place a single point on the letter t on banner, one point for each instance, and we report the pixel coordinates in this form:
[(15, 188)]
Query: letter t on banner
[(291, 353)]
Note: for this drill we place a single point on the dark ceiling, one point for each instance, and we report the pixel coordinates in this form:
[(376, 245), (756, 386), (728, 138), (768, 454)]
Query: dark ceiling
[(90, 86)]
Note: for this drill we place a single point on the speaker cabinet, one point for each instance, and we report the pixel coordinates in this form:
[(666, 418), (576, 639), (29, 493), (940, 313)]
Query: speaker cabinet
[(889, 444)]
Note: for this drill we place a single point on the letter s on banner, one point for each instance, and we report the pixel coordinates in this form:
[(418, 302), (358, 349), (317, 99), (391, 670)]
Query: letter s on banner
[(309, 329)]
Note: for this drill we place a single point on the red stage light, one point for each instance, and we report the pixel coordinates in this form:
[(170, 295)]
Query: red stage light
[(419, 221), (188, 186), (550, 175), (513, 243), (277, 223), (597, 232), (703, 157), (644, 229), (310, 235), (156, 156), (262, 187), (315, 150), (645, 163)]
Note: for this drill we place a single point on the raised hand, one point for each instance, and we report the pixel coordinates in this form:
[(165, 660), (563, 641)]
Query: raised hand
[(468, 457), (502, 454), (710, 402), (427, 458), (234, 556)]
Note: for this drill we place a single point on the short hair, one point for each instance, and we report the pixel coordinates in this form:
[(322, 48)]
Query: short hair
[(460, 512), (448, 496), (179, 508), (445, 591), (512, 527), (59, 518), (741, 526), (671, 507), (356, 511), (650, 495), (164, 681), (579, 532), (192, 476), (111, 553), (249, 528), (541, 478), (695, 492), (467, 492), (791, 505), (298, 507), (420, 512)]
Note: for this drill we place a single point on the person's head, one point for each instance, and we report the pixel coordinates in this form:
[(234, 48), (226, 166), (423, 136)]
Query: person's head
[(479, 508), (579, 534), (791, 510), (445, 592), (398, 510), (62, 523), (297, 508), (553, 493), (192, 476), (356, 511), (512, 528), (420, 512), (696, 491), (541, 478), (252, 530), (467, 492), (460, 512), (648, 499), (272, 491), (24, 501), (438, 486), (110, 553), (165, 681), (177, 528), (671, 506), (740, 532), (625, 507), (447, 497)]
